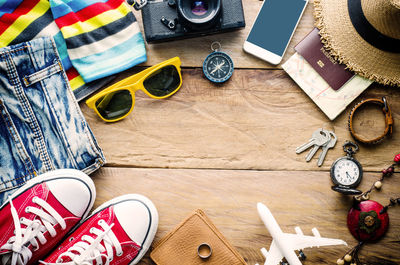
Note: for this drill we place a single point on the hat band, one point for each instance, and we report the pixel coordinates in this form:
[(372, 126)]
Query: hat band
[(368, 32)]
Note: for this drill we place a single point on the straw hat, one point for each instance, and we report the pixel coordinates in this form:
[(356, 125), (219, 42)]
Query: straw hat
[(364, 35)]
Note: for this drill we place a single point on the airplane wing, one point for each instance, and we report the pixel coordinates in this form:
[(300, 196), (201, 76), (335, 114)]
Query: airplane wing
[(274, 255), (299, 241)]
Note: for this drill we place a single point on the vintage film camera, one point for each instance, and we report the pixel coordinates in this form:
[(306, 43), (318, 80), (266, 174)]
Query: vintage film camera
[(176, 19)]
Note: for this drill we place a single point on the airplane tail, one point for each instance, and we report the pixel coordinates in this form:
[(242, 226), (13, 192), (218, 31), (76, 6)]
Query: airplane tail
[(264, 252)]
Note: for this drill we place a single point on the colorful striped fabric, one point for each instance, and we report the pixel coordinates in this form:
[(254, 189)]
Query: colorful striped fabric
[(95, 38)]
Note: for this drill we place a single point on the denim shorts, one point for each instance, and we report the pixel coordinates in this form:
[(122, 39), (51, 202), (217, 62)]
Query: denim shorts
[(41, 125)]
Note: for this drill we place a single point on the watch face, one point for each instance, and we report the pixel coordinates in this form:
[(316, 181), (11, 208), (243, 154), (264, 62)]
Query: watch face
[(218, 67), (346, 172)]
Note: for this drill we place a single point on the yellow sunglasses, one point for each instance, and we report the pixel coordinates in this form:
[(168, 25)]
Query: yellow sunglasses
[(117, 101)]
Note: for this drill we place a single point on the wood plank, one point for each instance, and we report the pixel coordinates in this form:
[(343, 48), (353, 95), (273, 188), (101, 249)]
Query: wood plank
[(194, 51), (229, 198), (254, 121)]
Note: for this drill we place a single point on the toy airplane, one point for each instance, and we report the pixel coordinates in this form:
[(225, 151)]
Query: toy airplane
[(285, 245)]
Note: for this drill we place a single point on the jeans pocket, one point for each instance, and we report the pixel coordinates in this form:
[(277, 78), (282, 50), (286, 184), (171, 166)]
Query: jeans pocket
[(16, 166), (67, 138)]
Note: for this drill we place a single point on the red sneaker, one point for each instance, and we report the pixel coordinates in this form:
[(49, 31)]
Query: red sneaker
[(118, 232), (40, 213)]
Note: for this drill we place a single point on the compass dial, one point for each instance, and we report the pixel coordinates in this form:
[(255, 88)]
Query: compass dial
[(218, 67)]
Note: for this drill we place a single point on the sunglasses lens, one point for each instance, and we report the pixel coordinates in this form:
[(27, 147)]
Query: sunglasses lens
[(162, 82), (114, 105)]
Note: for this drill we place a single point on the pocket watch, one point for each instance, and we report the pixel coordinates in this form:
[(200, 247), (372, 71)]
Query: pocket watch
[(218, 66), (347, 172)]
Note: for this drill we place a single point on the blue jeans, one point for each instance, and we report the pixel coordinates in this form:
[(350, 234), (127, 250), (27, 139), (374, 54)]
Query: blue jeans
[(41, 125)]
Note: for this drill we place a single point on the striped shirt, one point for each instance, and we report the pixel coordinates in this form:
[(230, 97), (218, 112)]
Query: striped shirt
[(94, 38)]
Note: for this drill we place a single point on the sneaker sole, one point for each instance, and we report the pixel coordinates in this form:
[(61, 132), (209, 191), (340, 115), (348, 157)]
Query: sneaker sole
[(59, 174), (153, 220)]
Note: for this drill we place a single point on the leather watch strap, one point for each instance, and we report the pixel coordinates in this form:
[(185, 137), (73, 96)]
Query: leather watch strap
[(388, 120)]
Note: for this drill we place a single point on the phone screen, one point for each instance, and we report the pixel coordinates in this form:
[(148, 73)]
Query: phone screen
[(275, 24)]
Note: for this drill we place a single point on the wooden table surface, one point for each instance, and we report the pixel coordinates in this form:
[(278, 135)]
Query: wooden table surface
[(223, 148)]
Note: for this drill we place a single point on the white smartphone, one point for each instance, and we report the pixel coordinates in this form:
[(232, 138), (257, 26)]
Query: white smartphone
[(274, 27)]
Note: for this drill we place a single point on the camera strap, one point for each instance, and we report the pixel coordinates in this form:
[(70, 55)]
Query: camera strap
[(137, 4)]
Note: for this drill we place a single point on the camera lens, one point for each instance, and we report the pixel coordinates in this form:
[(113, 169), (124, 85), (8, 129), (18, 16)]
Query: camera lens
[(199, 7), (196, 15)]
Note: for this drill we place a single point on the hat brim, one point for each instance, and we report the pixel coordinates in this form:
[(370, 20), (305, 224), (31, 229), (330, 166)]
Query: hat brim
[(345, 44)]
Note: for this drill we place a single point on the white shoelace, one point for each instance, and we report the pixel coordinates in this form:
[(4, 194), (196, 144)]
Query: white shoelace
[(33, 232), (90, 249)]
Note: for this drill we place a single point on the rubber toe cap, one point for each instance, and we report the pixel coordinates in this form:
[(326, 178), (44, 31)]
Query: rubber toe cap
[(74, 190), (138, 217)]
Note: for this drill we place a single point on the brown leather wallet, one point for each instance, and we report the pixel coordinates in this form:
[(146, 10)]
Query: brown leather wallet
[(388, 120), (182, 245)]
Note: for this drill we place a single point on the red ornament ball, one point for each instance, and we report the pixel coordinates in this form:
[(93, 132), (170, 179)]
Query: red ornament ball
[(397, 158), (365, 221)]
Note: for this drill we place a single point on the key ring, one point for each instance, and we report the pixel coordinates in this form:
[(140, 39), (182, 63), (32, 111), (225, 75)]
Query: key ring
[(218, 46)]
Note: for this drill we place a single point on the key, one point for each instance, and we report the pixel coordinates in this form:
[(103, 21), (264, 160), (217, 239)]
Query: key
[(316, 139), (316, 147), (326, 147)]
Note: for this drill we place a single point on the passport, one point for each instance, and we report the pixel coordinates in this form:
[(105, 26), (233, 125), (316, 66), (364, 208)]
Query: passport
[(313, 51), (331, 102)]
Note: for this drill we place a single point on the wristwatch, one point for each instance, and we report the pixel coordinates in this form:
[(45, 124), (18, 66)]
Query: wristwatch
[(388, 120)]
